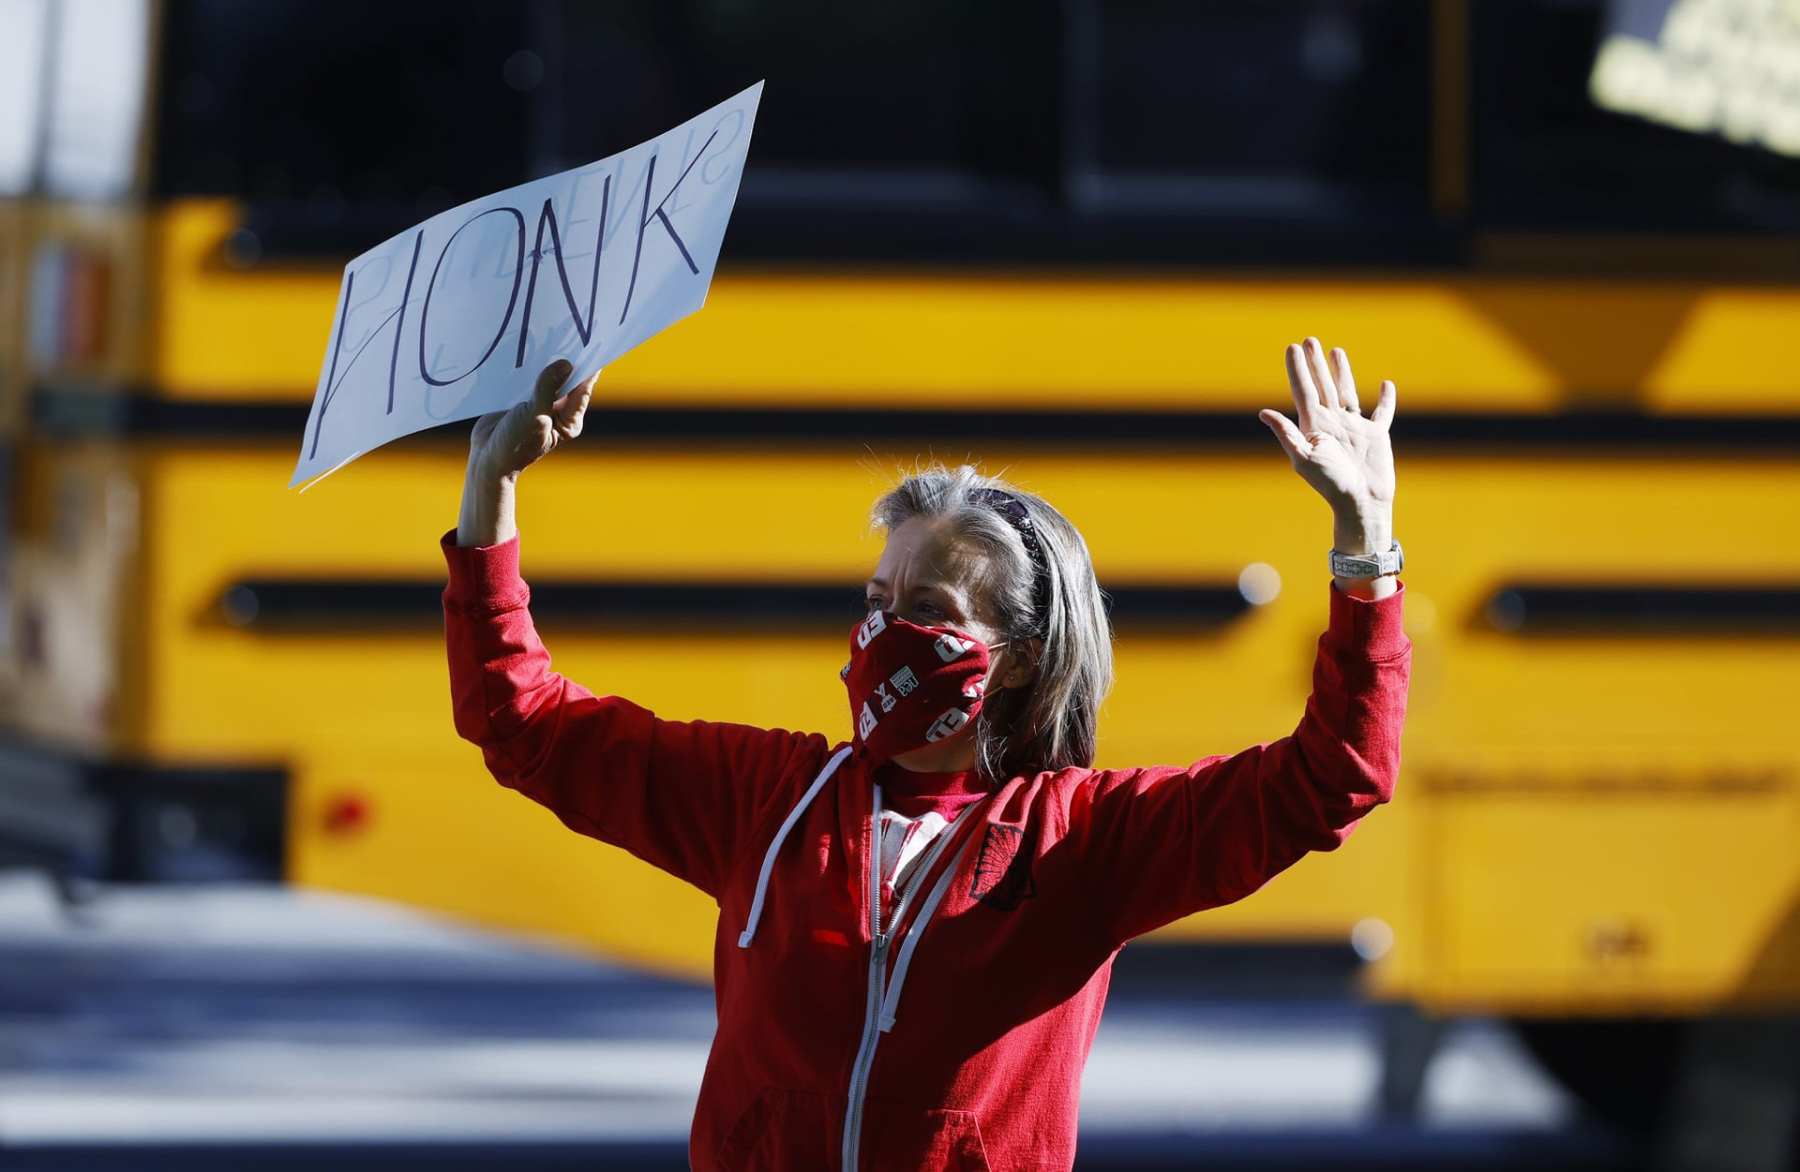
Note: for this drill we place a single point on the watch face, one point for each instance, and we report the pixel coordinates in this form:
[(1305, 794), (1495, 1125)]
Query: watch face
[(1346, 565)]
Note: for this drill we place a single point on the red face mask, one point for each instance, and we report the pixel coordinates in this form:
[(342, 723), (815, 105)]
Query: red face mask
[(911, 686)]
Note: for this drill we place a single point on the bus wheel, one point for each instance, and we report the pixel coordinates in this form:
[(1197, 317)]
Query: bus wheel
[(1622, 1070)]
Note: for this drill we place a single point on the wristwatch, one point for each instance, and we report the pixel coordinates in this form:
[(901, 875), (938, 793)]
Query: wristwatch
[(1389, 561)]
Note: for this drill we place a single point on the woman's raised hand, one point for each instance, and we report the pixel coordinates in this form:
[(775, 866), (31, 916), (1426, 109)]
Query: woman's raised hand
[(505, 443), (1348, 458)]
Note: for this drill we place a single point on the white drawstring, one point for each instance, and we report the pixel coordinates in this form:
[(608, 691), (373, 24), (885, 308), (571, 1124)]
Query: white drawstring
[(891, 1003), (932, 853), (768, 864)]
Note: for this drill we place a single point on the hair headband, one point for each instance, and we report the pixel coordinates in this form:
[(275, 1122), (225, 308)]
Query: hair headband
[(1013, 510)]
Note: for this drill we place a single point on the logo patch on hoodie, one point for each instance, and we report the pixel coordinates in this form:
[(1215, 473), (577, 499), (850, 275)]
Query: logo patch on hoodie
[(1002, 870)]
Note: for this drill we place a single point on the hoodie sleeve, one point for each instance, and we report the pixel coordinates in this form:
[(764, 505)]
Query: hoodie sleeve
[(1161, 843), (677, 794)]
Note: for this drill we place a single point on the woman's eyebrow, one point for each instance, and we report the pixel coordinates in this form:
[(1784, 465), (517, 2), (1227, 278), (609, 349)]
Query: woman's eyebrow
[(947, 589), (949, 592)]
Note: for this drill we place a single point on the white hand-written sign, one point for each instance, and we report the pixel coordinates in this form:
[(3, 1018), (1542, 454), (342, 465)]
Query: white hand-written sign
[(455, 317)]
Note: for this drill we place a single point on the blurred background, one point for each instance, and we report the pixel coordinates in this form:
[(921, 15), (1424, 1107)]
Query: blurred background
[(260, 905)]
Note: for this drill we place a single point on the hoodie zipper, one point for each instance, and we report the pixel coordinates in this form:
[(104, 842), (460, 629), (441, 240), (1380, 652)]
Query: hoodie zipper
[(865, 1053), (879, 940)]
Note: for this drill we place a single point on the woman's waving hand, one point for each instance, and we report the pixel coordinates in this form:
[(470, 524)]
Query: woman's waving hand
[(1346, 456)]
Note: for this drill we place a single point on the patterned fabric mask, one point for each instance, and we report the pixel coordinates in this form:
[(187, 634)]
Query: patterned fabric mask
[(911, 686)]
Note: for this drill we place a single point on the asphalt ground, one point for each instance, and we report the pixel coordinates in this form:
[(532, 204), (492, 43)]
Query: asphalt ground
[(228, 1027)]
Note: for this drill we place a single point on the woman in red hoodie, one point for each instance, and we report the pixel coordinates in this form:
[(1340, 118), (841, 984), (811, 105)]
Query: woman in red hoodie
[(917, 925)]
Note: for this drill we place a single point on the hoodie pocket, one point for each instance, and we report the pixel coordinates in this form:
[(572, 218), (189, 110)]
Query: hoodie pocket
[(907, 1138), (780, 1131)]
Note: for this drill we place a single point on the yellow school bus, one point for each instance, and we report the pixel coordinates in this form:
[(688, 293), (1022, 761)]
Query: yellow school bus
[(1595, 443)]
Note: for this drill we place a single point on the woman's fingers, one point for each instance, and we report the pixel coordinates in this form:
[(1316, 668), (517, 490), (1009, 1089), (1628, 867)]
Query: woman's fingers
[(1306, 395), (1286, 434), (1321, 372), (571, 409), (1383, 414), (485, 425), (549, 381), (1346, 382)]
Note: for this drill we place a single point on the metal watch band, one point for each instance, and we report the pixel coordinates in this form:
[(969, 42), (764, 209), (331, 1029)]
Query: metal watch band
[(1389, 561)]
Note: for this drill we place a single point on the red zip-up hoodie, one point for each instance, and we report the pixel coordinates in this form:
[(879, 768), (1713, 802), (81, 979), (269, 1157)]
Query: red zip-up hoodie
[(957, 1038)]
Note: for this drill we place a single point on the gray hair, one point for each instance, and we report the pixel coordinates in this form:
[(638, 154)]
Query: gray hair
[(1052, 722)]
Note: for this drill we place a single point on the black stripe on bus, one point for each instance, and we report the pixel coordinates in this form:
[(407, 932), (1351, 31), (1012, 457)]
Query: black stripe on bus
[(1577, 433), (277, 605), (1643, 608)]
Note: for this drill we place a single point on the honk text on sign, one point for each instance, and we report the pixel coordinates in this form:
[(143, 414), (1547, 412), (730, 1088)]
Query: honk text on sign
[(455, 317)]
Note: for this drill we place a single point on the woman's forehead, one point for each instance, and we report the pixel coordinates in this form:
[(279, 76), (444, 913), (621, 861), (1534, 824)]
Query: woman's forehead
[(924, 554)]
